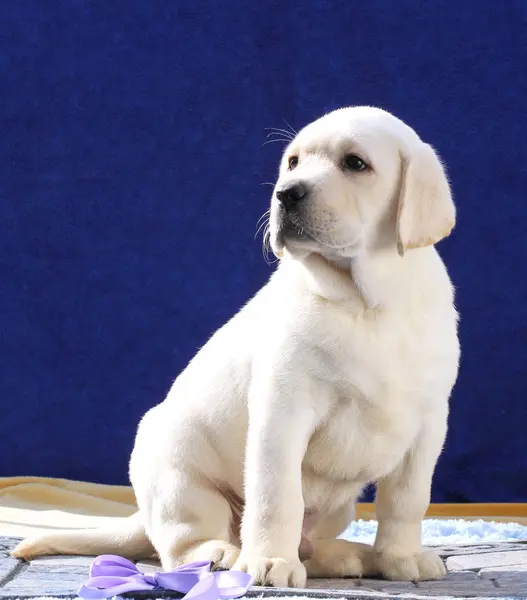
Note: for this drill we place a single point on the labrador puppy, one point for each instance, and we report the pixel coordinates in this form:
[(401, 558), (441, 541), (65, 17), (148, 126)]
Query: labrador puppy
[(335, 375)]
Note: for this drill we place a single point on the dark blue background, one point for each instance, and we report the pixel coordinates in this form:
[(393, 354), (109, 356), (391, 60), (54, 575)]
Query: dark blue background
[(132, 168)]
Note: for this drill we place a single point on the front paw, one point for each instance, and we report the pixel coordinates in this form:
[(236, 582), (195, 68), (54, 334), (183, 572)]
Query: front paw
[(421, 566), (275, 572)]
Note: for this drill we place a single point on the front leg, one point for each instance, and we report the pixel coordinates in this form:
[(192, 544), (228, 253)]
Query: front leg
[(282, 418), (402, 500)]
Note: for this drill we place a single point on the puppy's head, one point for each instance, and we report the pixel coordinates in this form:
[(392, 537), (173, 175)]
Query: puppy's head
[(355, 180)]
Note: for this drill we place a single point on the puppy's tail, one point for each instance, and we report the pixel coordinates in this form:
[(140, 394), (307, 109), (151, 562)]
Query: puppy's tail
[(126, 539)]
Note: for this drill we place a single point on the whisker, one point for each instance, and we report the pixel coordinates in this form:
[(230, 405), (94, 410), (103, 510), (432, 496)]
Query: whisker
[(264, 226), (266, 246), (267, 212), (278, 131), (263, 218), (292, 129), (266, 243), (263, 221), (276, 140), (282, 133)]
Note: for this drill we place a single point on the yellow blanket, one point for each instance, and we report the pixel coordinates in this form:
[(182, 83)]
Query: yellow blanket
[(32, 504)]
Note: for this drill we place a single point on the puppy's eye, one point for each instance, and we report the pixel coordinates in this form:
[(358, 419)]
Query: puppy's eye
[(353, 163), (292, 163)]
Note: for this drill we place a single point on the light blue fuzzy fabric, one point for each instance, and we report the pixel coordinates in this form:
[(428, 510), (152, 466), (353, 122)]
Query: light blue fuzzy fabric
[(440, 532)]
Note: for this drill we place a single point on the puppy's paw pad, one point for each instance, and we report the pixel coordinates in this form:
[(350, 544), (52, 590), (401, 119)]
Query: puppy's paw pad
[(422, 566), (275, 572)]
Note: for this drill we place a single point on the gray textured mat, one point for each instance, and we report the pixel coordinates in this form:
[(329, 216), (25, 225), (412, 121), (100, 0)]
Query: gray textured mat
[(482, 571)]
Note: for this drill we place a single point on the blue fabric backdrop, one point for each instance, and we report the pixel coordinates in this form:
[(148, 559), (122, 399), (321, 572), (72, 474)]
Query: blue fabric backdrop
[(132, 168)]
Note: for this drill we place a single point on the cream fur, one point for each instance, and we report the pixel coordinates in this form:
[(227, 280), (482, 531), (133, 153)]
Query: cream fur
[(336, 374)]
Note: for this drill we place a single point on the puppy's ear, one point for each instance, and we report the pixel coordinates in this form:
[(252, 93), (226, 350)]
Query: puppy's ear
[(426, 213)]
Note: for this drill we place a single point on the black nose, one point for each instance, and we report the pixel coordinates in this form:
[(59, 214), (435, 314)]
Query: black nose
[(290, 195)]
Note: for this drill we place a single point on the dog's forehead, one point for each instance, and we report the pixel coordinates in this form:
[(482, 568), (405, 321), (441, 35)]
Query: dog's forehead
[(366, 126)]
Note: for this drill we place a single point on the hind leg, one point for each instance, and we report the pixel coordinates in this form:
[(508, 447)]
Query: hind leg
[(334, 558), (190, 521)]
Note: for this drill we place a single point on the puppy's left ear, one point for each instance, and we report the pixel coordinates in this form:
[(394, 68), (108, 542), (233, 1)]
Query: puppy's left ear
[(426, 212)]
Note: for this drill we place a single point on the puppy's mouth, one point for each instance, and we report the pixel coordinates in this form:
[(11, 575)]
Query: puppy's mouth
[(290, 232), (292, 229), (295, 230)]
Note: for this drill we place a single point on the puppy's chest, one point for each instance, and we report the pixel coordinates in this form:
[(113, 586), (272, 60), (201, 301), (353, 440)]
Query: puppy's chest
[(361, 442), (376, 414)]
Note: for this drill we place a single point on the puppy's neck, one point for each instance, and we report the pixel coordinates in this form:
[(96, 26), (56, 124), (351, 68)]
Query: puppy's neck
[(370, 281)]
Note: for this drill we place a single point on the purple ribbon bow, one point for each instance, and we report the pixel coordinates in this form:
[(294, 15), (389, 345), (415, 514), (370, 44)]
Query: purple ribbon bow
[(114, 575)]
